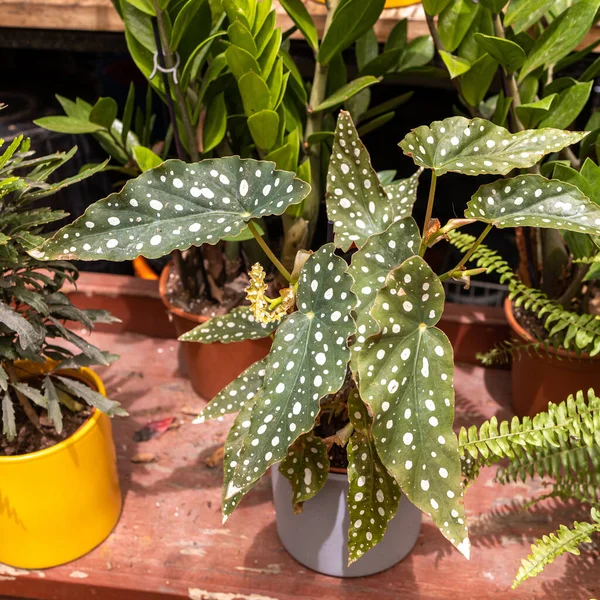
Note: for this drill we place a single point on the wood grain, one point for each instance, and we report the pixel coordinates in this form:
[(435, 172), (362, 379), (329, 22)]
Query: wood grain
[(170, 544)]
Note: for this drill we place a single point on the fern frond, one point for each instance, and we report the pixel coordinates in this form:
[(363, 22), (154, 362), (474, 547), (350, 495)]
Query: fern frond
[(550, 547), (483, 256), (561, 441), (503, 352)]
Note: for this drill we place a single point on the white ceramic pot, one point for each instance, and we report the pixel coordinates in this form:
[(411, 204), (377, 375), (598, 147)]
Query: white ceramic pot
[(318, 537)]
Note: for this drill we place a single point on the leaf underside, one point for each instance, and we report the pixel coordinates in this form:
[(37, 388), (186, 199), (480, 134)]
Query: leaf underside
[(478, 147), (177, 205), (236, 326), (405, 377)]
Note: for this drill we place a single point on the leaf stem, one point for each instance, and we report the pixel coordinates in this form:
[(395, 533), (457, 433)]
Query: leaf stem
[(268, 251), (467, 256), (428, 213)]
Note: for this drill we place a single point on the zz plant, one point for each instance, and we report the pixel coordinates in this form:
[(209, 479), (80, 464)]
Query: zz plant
[(356, 338), (33, 309)]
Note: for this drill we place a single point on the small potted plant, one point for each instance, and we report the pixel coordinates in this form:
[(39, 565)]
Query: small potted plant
[(226, 75), (59, 487), (358, 375)]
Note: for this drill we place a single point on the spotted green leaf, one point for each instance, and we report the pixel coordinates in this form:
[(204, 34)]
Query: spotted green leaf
[(478, 147), (356, 202), (403, 194), (373, 494), (306, 466), (533, 200), (371, 265), (232, 495), (235, 326), (405, 377), (308, 360), (236, 394), (177, 205)]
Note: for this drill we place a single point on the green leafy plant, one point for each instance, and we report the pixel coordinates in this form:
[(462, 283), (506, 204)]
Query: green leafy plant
[(232, 87), (34, 312), (562, 447), (354, 344)]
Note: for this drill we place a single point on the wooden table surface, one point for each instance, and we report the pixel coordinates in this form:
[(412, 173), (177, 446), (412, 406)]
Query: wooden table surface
[(100, 15), (170, 543)]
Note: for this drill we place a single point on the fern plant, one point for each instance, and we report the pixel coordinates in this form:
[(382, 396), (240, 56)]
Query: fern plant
[(561, 445)]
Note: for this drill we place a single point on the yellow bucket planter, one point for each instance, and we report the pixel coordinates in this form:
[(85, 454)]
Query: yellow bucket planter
[(58, 504), (389, 3)]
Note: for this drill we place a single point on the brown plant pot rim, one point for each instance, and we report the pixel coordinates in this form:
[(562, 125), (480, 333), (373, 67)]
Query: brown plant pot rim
[(162, 290), (527, 337)]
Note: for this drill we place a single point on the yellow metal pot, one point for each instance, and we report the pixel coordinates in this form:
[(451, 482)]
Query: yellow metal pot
[(59, 503), (389, 3)]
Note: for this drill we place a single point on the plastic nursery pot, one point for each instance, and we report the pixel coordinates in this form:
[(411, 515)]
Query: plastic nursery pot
[(211, 367), (318, 536), (59, 503), (550, 376)]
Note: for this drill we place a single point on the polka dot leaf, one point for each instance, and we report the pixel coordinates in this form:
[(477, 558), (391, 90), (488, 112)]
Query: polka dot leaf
[(534, 201), (478, 147), (235, 326), (306, 466), (236, 394), (356, 201), (373, 494), (177, 205), (406, 378), (403, 195), (308, 360), (370, 266), (231, 495)]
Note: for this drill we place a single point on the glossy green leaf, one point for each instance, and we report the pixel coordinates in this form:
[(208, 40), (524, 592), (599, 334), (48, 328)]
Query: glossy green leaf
[(68, 125), (507, 53), (240, 62), (346, 92), (592, 71), (454, 22), (456, 66), (382, 64), (239, 392), (434, 7), (375, 124), (255, 93), (308, 361), (104, 112), (266, 32), (562, 36), (145, 158), (196, 58), (385, 107), (418, 53), (306, 466), (567, 107), (241, 36), (237, 325), (356, 201), (405, 375), (264, 127), (476, 82), (403, 194), (351, 19), (183, 21), (303, 21), (373, 494), (177, 205), (215, 123), (495, 6), (476, 146), (145, 6), (370, 266), (366, 49), (267, 59), (522, 14), (533, 200), (532, 113)]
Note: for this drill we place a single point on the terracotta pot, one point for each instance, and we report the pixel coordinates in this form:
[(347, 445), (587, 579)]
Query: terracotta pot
[(211, 367), (549, 377), (59, 503)]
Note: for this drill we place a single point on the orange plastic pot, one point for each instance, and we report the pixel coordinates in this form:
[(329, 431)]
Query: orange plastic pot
[(59, 503), (211, 367), (550, 376), (389, 3)]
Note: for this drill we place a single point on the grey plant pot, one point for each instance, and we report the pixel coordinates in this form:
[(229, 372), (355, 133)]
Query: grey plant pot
[(318, 537)]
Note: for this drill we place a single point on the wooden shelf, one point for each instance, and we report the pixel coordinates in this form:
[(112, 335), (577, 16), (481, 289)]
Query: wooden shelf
[(100, 15), (170, 544)]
